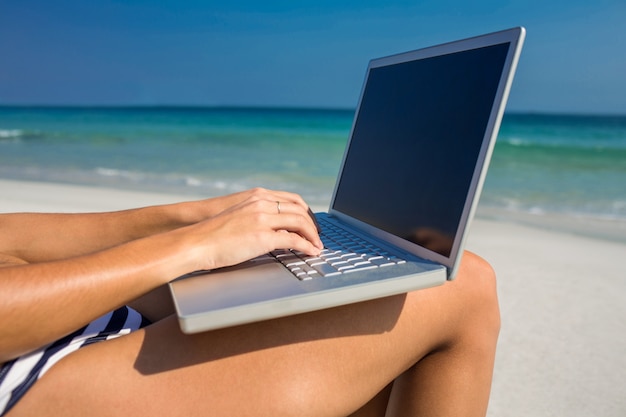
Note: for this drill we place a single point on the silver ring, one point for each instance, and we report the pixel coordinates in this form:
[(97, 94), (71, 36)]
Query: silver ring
[(278, 206)]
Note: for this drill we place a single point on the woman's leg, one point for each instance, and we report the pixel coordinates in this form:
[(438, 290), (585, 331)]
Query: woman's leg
[(377, 406), (330, 362), (455, 378)]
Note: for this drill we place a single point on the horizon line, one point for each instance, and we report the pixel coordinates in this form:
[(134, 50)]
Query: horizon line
[(276, 107)]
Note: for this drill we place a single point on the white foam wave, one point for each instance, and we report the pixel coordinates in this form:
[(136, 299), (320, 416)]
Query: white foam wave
[(193, 182), (514, 141), (110, 172), (10, 133)]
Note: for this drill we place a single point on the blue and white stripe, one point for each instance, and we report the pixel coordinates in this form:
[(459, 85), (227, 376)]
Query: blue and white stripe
[(18, 375)]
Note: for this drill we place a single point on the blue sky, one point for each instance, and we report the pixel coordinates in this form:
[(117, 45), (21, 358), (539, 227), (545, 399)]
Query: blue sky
[(293, 53)]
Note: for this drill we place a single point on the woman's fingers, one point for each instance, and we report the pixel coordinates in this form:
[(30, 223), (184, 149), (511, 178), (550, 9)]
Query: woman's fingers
[(292, 217), (296, 220), (279, 197), (290, 198)]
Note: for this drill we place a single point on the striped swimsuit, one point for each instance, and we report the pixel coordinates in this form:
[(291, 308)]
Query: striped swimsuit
[(18, 375)]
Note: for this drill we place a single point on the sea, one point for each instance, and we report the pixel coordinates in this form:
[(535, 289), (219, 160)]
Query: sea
[(568, 169)]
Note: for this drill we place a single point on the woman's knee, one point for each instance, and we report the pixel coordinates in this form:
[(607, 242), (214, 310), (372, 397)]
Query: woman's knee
[(477, 280)]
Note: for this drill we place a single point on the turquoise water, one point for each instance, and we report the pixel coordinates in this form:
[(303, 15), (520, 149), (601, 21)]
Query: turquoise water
[(560, 164), (541, 164)]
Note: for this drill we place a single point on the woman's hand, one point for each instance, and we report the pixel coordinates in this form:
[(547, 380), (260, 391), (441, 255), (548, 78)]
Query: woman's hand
[(258, 221)]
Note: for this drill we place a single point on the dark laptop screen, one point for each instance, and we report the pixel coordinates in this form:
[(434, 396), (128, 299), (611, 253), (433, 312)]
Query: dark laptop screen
[(422, 121)]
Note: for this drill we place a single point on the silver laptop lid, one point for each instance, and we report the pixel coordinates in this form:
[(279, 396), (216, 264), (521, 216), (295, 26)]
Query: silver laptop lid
[(429, 117)]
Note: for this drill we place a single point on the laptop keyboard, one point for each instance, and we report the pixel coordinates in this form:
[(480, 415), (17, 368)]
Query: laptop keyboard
[(343, 253)]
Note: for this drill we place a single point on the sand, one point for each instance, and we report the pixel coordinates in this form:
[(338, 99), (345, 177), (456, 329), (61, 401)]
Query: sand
[(562, 349)]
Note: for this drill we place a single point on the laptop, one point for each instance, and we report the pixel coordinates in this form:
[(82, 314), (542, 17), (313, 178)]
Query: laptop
[(421, 140)]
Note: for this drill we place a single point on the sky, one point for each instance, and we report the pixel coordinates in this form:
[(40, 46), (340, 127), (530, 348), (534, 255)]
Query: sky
[(294, 53)]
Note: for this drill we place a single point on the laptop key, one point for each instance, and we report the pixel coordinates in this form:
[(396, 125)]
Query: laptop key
[(326, 270), (360, 268), (382, 262)]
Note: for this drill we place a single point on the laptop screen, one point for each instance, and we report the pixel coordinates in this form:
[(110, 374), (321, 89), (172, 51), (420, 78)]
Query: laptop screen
[(415, 144)]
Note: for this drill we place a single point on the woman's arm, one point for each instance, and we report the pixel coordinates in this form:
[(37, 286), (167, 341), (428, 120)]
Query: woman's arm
[(43, 301), (40, 237)]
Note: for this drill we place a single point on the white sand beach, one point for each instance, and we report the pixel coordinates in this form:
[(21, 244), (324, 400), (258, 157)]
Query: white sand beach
[(563, 341)]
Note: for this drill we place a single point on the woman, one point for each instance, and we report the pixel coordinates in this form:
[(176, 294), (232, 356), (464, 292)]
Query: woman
[(425, 353)]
